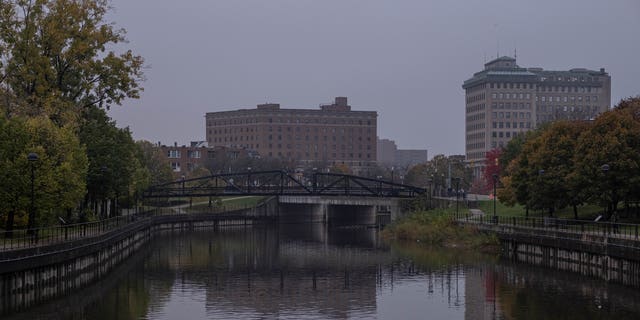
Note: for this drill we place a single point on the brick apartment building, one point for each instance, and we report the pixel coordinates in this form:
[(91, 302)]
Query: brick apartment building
[(333, 134), (185, 159)]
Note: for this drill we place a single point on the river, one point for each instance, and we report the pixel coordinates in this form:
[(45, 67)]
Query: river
[(311, 272)]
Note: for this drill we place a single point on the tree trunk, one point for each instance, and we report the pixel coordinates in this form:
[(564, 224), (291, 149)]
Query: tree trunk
[(112, 210), (575, 212)]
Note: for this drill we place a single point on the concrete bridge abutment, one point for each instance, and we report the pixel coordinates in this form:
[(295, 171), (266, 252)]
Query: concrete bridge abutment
[(339, 210)]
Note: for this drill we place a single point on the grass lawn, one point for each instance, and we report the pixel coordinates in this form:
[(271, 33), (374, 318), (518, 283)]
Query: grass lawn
[(587, 212), (232, 201), (248, 201)]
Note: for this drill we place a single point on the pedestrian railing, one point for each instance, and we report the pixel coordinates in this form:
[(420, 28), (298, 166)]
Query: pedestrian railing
[(610, 229), (45, 236)]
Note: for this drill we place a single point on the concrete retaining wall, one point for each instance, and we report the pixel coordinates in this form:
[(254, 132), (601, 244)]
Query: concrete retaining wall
[(611, 258), (29, 279)]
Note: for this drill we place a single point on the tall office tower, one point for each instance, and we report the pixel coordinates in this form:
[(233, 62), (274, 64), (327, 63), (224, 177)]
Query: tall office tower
[(504, 100)]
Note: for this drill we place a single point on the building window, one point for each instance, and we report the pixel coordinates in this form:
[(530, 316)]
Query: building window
[(195, 154), (175, 166), (173, 154)]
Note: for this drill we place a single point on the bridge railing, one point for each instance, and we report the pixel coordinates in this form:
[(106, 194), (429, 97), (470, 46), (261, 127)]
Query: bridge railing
[(280, 182), (586, 227)]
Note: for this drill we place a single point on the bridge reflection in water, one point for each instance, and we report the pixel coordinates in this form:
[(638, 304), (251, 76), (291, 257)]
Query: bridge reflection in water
[(308, 271)]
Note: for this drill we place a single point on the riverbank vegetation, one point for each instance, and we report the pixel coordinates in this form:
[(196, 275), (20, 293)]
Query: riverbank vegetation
[(438, 227)]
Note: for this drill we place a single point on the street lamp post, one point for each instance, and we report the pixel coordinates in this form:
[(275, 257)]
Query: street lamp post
[(248, 180), (32, 158), (540, 174), (457, 194), (430, 181), (605, 169), (495, 181), (392, 168), (314, 179)]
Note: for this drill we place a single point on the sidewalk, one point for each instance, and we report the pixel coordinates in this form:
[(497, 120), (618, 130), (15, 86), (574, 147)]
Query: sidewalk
[(476, 212)]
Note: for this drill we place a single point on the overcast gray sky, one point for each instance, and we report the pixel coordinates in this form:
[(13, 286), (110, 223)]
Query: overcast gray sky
[(405, 59)]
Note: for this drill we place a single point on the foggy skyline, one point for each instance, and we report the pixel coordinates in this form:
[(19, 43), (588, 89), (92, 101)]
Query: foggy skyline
[(404, 59)]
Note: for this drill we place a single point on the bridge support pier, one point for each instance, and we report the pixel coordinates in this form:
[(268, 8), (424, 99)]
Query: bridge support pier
[(339, 210)]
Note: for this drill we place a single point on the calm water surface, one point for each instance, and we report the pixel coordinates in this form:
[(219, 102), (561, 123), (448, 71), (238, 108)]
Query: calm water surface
[(309, 272)]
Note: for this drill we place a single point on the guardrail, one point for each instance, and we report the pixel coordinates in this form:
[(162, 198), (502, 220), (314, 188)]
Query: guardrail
[(45, 236), (611, 229)]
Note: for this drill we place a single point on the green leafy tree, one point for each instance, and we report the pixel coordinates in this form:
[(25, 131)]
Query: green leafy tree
[(435, 173), (14, 172), (113, 162), (552, 155), (60, 169), (151, 157), (59, 172), (614, 140), (57, 59)]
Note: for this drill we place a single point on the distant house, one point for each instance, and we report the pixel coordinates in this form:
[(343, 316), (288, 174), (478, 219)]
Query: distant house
[(185, 159)]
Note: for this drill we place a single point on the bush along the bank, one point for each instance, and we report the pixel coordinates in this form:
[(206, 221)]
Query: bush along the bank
[(438, 228)]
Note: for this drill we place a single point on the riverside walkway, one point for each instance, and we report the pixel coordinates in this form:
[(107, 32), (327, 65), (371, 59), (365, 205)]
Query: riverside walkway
[(22, 242), (605, 250), (543, 225)]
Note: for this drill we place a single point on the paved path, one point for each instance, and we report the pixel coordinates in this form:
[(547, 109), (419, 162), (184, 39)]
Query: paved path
[(180, 208)]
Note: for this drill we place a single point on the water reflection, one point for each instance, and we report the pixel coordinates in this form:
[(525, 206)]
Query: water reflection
[(309, 272)]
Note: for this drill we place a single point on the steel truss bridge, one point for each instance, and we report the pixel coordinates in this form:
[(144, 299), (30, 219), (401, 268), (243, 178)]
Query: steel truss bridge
[(282, 183)]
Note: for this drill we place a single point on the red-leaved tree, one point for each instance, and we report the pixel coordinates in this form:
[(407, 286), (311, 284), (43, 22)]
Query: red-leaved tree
[(492, 166)]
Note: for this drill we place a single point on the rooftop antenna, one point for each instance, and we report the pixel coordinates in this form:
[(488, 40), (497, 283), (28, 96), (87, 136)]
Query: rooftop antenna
[(495, 30), (515, 53)]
